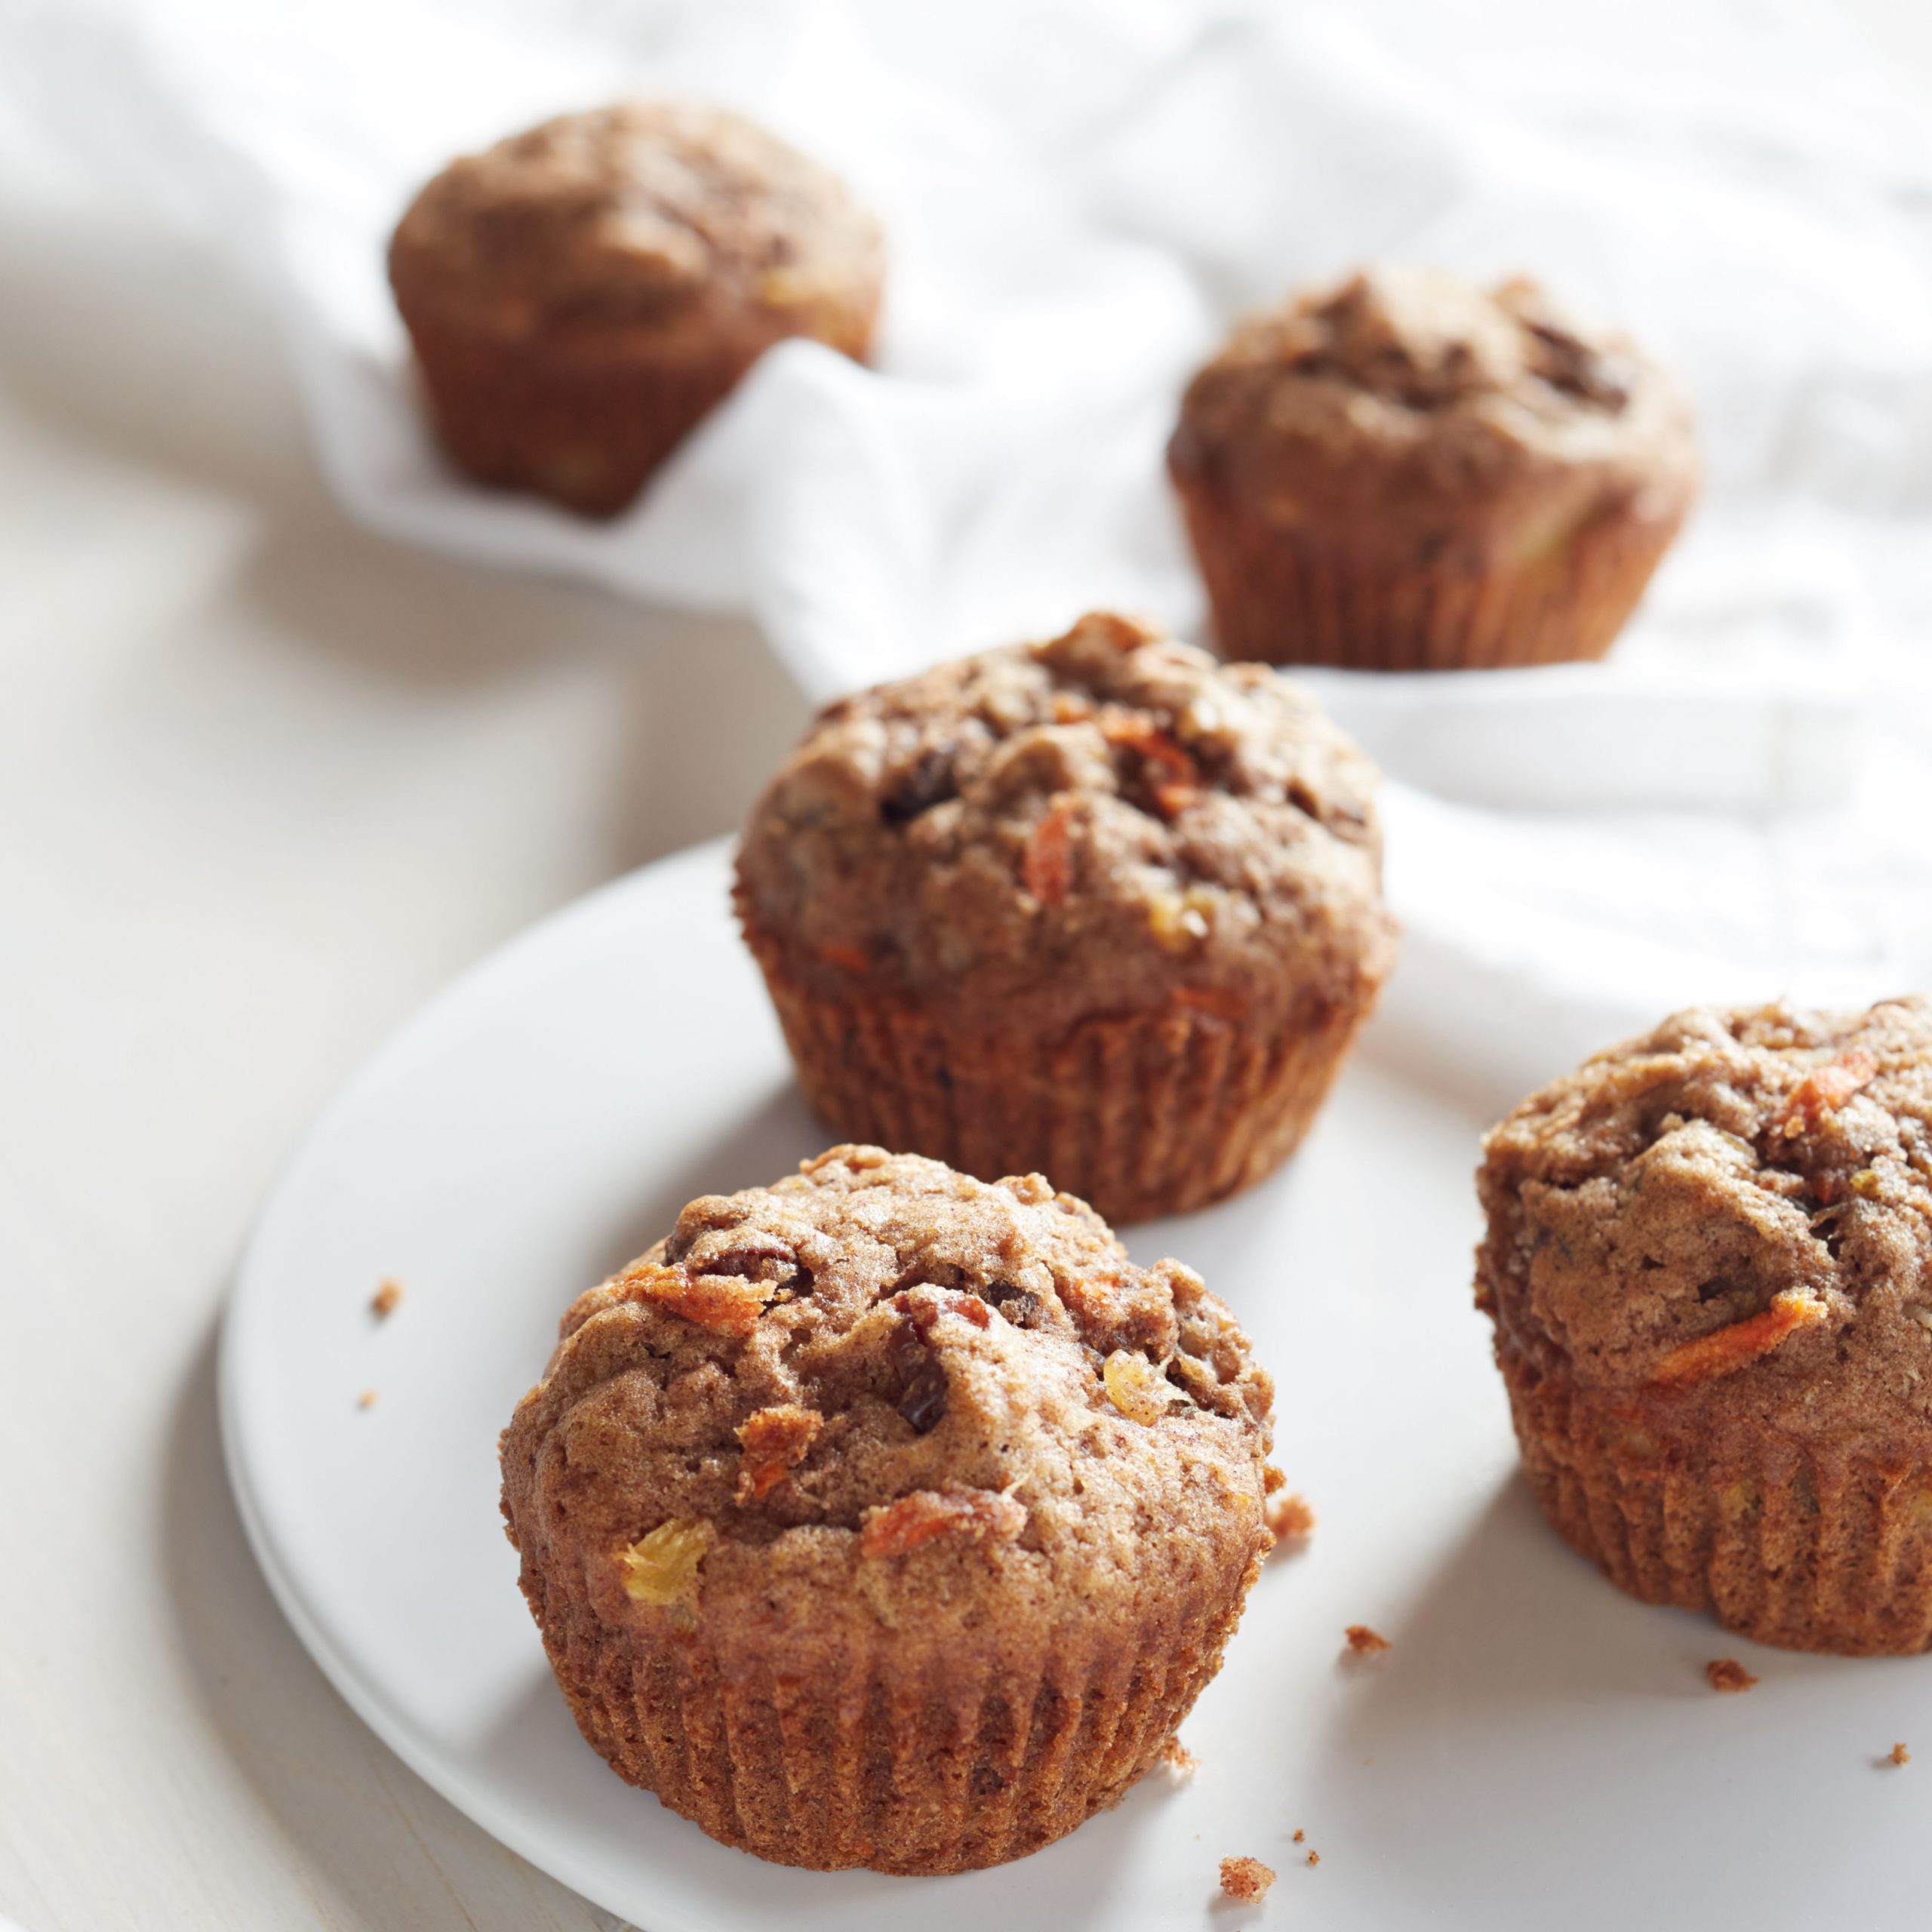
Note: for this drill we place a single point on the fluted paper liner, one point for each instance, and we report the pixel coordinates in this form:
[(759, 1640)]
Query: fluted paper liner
[(1141, 1115), (1785, 1543), (1291, 596)]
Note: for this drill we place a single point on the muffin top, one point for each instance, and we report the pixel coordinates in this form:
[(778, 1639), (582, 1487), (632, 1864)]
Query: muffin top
[(656, 220), (1731, 1216), (1407, 389), (878, 1392), (1110, 822)]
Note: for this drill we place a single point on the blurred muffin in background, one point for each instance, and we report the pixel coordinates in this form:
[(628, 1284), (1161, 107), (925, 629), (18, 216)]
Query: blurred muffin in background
[(580, 296), (1709, 1259), (1101, 908), (1404, 472)]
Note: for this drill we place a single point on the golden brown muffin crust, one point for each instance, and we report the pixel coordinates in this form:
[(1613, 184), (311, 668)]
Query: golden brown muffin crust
[(1410, 391), (1082, 827), (1730, 1219), (650, 223)]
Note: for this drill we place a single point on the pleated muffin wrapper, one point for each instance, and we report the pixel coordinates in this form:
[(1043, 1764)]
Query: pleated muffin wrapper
[(1139, 1114), (1312, 595), (1799, 1545), (587, 424), (900, 1759)]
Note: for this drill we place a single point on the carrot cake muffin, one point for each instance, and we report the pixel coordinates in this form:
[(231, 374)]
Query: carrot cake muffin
[(1100, 908), (883, 1517), (1709, 1264), (1404, 472), (581, 295)]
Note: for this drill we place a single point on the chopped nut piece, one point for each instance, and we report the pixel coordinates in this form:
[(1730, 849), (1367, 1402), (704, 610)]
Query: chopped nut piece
[(775, 1442), (728, 1304), (1826, 1089), (1247, 1879), (1728, 1674), (386, 1299), (1899, 1755), (1046, 865), (1176, 925), (1727, 1349), (367, 1400), (1290, 1520), (1136, 1387), (1364, 1642), (1179, 1759), (895, 1528), (661, 1567)]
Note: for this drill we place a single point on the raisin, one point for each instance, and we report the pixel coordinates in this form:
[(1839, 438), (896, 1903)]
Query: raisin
[(926, 783)]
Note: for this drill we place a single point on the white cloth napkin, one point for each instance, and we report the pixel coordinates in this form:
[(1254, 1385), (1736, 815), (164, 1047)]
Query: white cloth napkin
[(1080, 195)]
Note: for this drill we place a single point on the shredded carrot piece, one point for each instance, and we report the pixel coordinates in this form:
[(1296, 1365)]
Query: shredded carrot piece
[(897, 1527), (726, 1303), (1728, 1349), (1208, 1000), (852, 958), (776, 1440), (1826, 1089), (1046, 865)]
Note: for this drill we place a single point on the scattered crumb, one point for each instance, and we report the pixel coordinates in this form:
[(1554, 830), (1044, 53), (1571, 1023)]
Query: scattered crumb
[(1315, 1858), (1364, 1642), (1301, 1836), (1899, 1755), (367, 1400), (1290, 1520), (1272, 1479), (386, 1298), (1247, 1879), (1728, 1674), (1179, 1759)]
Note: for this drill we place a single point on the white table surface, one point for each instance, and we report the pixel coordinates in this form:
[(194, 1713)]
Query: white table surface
[(266, 782)]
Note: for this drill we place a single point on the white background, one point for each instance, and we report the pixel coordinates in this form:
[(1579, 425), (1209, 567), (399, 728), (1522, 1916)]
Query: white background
[(265, 782)]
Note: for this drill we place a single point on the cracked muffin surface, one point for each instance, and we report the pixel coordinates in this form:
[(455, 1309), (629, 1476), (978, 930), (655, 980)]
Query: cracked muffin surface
[(1109, 822), (882, 1459), (1709, 1264)]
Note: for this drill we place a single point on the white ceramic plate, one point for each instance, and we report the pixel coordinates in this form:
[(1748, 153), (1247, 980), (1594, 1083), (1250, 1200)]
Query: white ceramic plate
[(1535, 1749)]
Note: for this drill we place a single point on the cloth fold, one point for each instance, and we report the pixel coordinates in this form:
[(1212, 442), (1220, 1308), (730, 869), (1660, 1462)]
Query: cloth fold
[(1080, 195)]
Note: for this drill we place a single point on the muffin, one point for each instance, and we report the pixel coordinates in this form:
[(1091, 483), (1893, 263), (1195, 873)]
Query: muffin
[(1405, 473), (882, 1517), (1100, 909), (581, 296), (1709, 1261)]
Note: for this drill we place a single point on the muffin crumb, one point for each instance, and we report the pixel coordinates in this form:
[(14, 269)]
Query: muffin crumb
[(1899, 1755), (1181, 1762), (1247, 1879), (1300, 1835), (1728, 1674), (367, 1400), (1290, 1521), (1364, 1642), (1315, 1858), (387, 1299)]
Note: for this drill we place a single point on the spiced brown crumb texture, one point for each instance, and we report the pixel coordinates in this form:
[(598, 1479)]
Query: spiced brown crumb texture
[(1708, 1262), (387, 1299), (1728, 1674), (1110, 823), (1290, 1521), (877, 1424), (1247, 1879), (1364, 1642), (1179, 1759), (1899, 1755)]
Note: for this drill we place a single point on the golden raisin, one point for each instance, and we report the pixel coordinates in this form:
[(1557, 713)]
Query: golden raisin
[(661, 1567), (1136, 1387)]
